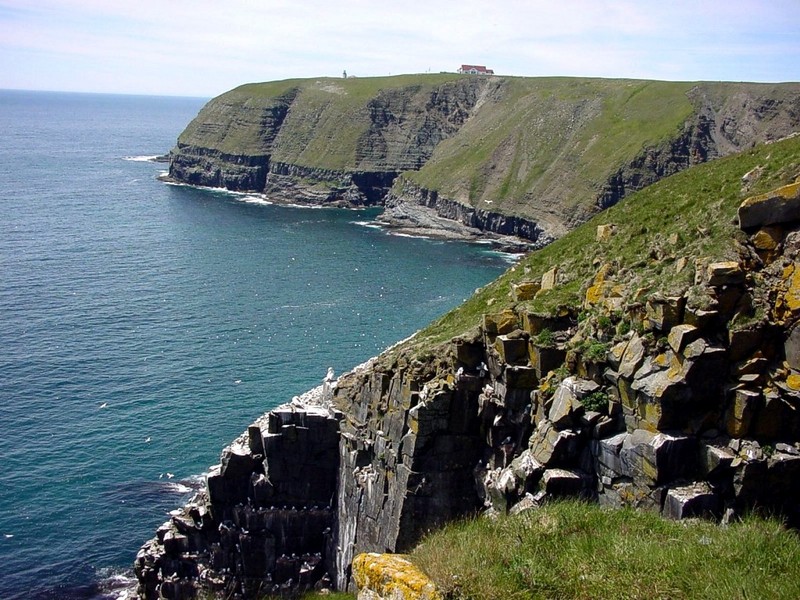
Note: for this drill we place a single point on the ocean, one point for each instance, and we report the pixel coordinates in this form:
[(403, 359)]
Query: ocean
[(143, 326)]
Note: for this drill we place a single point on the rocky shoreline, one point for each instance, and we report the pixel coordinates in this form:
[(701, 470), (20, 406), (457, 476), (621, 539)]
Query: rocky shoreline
[(528, 407), (406, 219)]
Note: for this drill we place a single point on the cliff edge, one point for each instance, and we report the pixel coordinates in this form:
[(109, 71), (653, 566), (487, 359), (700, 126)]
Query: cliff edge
[(650, 358), (461, 155)]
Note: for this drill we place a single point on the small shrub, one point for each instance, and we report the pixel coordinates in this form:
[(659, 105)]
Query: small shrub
[(623, 328), (545, 338), (596, 401), (595, 351)]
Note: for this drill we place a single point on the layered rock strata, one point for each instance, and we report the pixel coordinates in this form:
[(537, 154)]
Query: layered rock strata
[(693, 411), (344, 143)]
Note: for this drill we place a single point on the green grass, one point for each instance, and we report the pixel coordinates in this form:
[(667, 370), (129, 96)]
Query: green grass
[(327, 119), (542, 148), (572, 550), (558, 138), (698, 205)]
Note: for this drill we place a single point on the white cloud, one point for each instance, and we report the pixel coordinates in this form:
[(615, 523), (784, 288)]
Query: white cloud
[(203, 47)]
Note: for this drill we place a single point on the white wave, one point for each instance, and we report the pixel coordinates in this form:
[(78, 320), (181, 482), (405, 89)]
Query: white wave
[(261, 200), (409, 235), (509, 257), (308, 206), (122, 585), (367, 224), (178, 488), (141, 158)]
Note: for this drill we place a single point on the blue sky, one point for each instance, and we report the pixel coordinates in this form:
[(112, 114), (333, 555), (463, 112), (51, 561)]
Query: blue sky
[(203, 48)]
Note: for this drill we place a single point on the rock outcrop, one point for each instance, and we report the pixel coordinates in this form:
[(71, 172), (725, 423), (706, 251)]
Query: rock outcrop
[(522, 157), (686, 405), (391, 577)]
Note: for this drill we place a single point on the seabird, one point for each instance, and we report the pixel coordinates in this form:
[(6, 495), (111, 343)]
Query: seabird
[(104, 405)]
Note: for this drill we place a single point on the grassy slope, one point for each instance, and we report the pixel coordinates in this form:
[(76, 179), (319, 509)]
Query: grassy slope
[(571, 550), (537, 147), (220, 125), (521, 129), (558, 138), (699, 205), (330, 116)]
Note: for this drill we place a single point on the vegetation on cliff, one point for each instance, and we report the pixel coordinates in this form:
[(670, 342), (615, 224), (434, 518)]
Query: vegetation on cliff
[(649, 359), (688, 216), (572, 550), (553, 151)]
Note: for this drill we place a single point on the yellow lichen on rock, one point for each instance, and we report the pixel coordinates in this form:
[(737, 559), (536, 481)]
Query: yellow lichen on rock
[(391, 577), (787, 303), (792, 296), (793, 381), (602, 291), (778, 206)]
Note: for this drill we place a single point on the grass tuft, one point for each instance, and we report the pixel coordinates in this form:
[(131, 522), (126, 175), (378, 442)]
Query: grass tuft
[(572, 550)]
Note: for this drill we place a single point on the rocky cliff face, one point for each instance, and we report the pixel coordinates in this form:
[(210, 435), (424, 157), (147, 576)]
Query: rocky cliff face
[(722, 125), (523, 157), (673, 404)]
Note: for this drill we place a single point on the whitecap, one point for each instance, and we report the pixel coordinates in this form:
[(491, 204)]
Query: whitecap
[(367, 224), (408, 235), (261, 200), (148, 158), (178, 488), (121, 584)]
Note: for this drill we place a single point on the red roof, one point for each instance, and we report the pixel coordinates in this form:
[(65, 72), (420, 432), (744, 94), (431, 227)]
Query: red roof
[(478, 68)]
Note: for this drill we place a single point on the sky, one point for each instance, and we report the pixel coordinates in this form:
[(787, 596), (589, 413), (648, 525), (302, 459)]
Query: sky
[(206, 47)]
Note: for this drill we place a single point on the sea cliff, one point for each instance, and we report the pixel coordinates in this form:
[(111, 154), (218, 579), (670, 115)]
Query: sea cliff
[(649, 358), (527, 157)]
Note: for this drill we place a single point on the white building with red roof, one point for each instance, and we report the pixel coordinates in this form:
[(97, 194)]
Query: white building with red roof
[(475, 70)]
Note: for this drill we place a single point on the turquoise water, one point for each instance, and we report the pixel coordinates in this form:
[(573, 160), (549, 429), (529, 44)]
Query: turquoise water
[(143, 326)]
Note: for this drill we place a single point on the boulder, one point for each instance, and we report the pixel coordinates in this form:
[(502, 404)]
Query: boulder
[(561, 482), (545, 359), (565, 407), (665, 313), (605, 232), (512, 349), (549, 279), (525, 290), (681, 335), (696, 500), (781, 205), (741, 410), (632, 357), (725, 273), (714, 460), (391, 577), (658, 458), (607, 454), (500, 323), (551, 447), (767, 238), (527, 470)]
